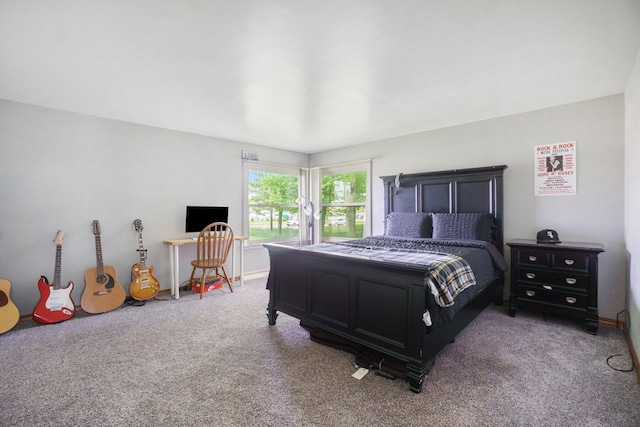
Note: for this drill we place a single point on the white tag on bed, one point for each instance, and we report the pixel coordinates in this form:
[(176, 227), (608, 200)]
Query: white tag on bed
[(426, 318), (360, 373)]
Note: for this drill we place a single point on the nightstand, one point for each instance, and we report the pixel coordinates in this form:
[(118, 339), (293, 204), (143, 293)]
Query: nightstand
[(557, 278)]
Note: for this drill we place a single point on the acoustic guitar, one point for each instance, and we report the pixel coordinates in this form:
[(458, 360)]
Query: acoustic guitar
[(102, 291), (144, 285), (9, 314), (55, 303)]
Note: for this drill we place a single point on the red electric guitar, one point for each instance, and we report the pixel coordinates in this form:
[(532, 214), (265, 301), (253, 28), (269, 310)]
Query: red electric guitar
[(55, 303), (144, 286)]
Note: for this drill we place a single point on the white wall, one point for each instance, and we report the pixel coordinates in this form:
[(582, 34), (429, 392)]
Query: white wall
[(632, 198), (63, 170), (594, 214)]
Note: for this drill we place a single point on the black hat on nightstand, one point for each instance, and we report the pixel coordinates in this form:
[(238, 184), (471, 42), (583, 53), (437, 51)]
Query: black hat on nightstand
[(548, 236)]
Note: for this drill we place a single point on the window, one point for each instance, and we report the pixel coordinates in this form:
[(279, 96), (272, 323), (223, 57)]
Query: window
[(272, 211), (345, 201)]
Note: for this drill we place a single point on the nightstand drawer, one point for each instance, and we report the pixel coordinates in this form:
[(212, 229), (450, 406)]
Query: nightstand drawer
[(544, 277), (533, 257), (570, 261), (545, 296)]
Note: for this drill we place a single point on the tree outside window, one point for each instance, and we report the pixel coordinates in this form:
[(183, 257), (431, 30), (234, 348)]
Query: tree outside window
[(273, 211), (344, 199)]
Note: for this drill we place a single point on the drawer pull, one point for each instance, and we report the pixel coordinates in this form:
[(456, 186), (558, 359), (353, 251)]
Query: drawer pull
[(568, 261), (531, 276), (547, 287), (532, 257), (570, 281), (531, 293), (570, 300)]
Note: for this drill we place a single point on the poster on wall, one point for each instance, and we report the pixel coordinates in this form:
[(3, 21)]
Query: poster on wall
[(555, 169)]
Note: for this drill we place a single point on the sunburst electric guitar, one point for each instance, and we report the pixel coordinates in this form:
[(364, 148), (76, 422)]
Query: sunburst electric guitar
[(102, 291), (144, 286), (55, 303), (9, 314)]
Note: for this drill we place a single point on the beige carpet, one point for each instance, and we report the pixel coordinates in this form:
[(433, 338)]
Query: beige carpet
[(217, 362)]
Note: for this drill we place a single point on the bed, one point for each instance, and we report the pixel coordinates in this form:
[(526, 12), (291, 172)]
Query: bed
[(407, 293)]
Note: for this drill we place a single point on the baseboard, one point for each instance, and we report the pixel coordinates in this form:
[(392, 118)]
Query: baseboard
[(632, 350), (256, 274), (610, 322)]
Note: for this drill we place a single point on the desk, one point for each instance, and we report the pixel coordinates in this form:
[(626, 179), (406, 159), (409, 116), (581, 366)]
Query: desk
[(174, 257)]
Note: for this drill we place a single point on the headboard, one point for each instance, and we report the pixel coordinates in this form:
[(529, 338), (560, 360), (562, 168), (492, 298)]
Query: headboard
[(452, 191)]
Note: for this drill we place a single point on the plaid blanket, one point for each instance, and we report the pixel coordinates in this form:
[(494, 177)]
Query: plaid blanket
[(446, 275)]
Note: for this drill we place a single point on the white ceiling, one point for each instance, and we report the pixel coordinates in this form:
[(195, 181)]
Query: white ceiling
[(312, 75)]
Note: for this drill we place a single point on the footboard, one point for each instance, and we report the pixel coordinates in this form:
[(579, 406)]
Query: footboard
[(374, 304)]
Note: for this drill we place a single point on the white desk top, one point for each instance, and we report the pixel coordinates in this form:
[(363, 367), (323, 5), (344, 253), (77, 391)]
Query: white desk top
[(184, 241)]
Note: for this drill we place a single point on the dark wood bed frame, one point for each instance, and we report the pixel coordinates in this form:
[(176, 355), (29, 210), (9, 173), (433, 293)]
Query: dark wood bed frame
[(379, 305)]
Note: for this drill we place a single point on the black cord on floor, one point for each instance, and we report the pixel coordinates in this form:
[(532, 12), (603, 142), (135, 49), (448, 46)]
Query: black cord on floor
[(617, 369), (628, 323)]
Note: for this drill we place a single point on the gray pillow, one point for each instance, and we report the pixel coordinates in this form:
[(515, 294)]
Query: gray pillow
[(463, 226), (408, 224)]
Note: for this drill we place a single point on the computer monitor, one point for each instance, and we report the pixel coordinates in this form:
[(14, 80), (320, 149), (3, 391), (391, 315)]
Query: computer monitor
[(198, 217)]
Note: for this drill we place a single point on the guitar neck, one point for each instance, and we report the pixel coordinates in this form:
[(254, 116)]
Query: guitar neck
[(143, 255), (100, 264), (56, 273)]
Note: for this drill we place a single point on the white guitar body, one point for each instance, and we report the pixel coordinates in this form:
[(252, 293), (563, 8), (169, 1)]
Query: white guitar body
[(60, 300)]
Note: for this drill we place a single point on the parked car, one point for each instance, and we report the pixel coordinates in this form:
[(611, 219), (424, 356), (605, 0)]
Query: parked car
[(293, 223), (338, 221), (257, 217)]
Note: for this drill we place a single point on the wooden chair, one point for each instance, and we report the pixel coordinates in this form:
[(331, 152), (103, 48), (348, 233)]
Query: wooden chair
[(213, 246)]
